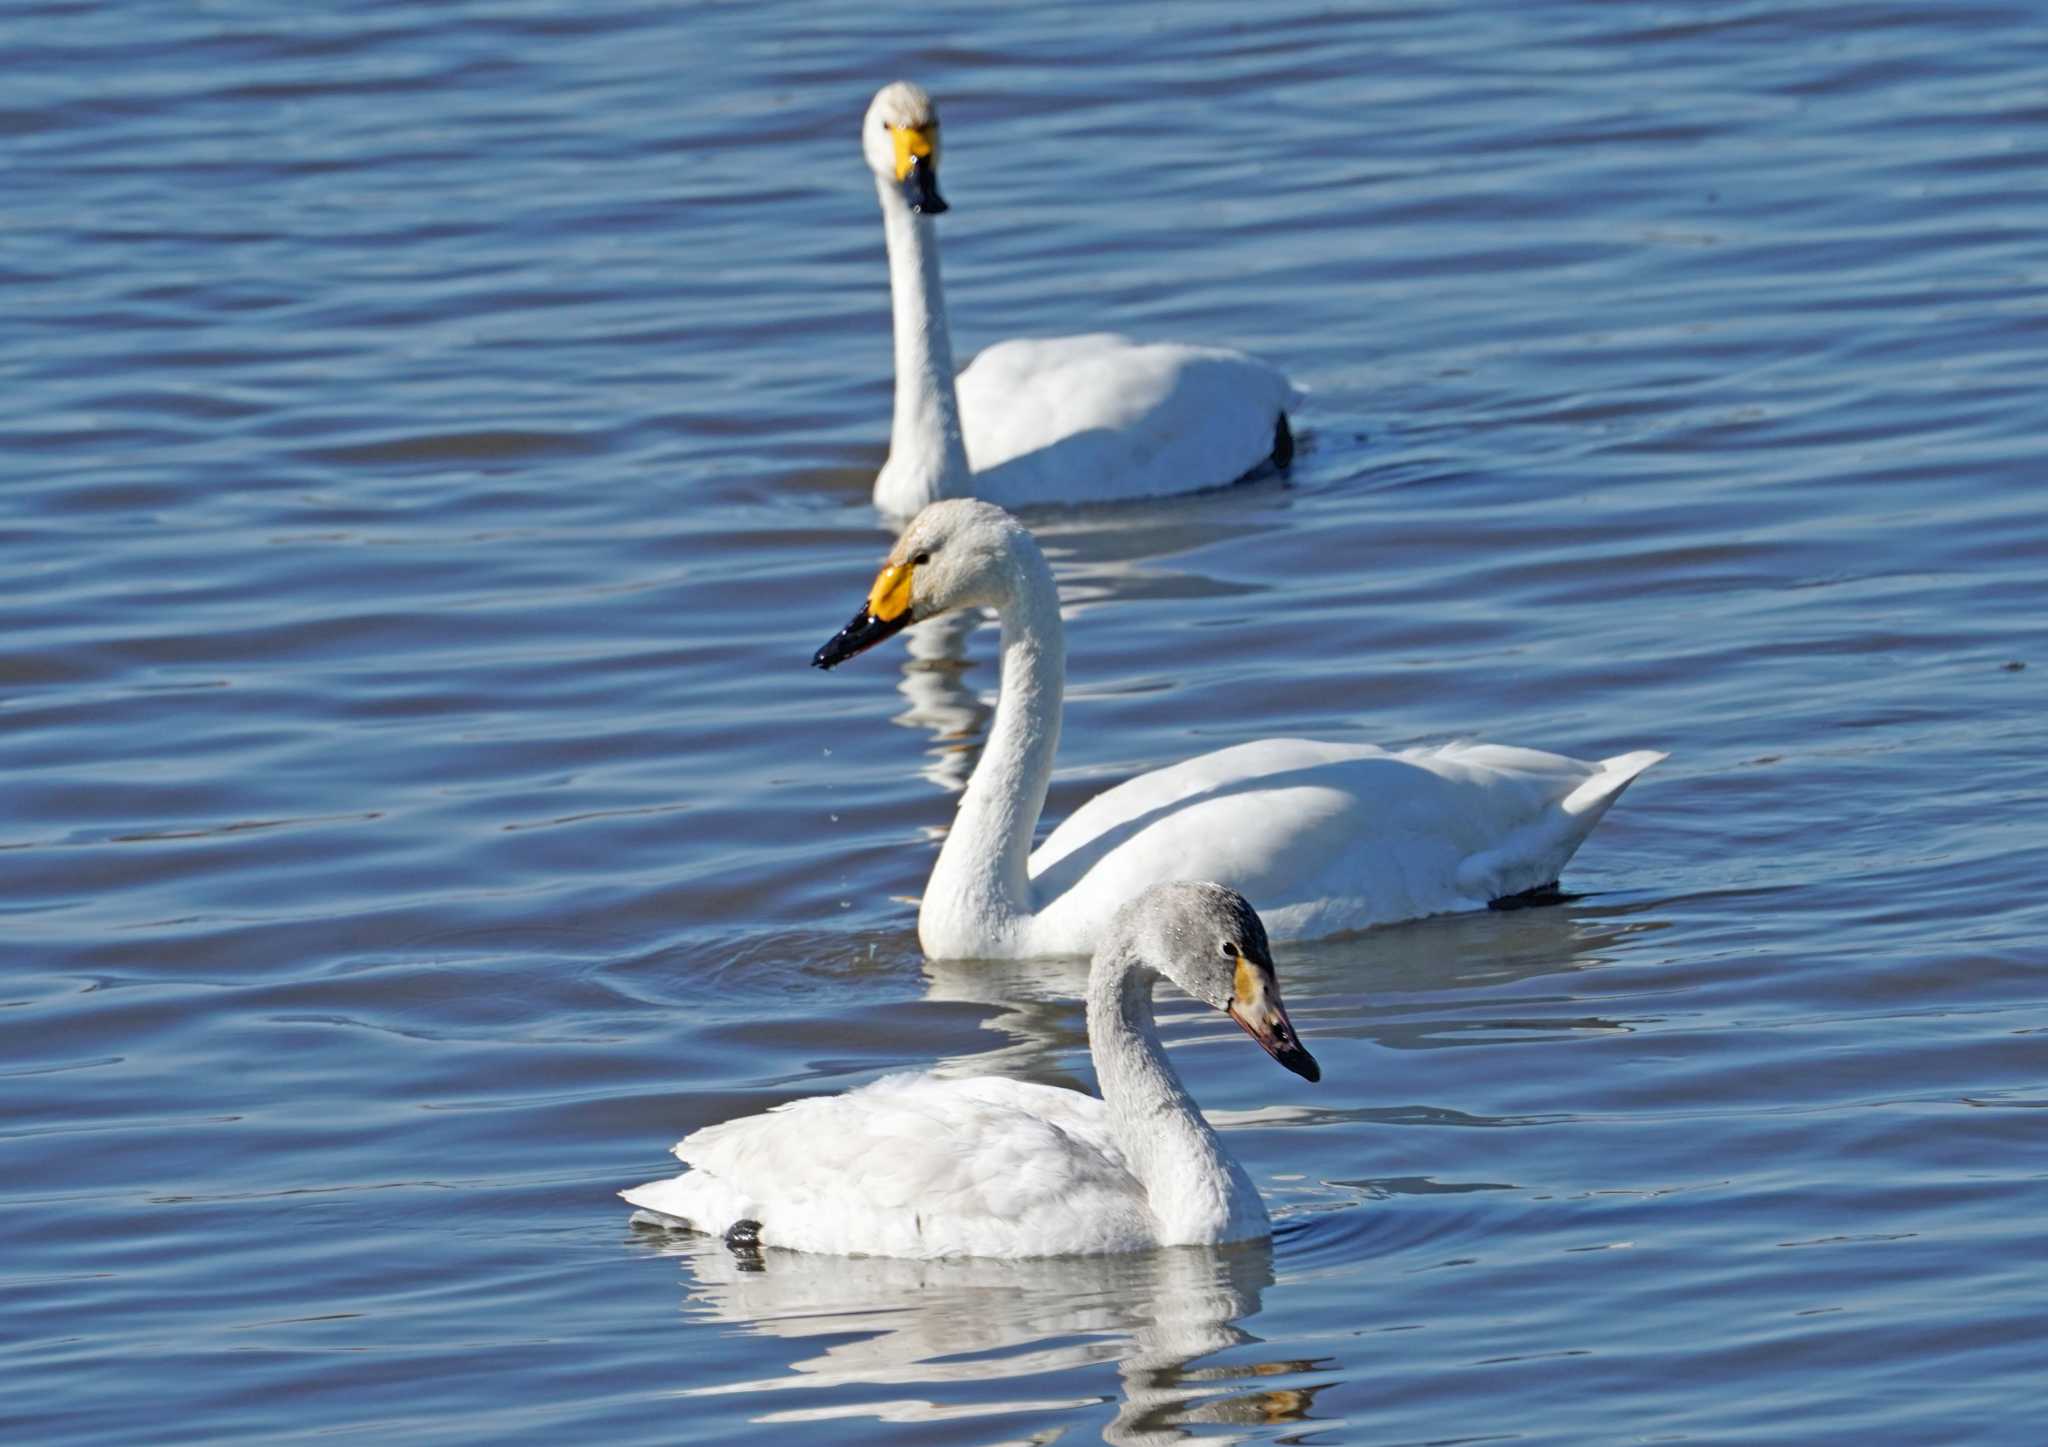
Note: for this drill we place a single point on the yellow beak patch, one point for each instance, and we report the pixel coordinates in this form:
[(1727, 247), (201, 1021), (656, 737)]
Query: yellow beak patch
[(891, 593), (912, 144)]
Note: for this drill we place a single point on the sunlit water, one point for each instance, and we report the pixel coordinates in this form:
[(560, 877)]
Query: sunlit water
[(435, 438)]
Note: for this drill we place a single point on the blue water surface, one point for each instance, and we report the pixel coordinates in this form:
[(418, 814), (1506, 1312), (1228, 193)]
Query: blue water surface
[(435, 437)]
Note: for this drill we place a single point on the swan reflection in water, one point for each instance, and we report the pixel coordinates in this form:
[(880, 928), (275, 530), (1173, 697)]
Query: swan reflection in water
[(938, 699), (1383, 985), (1049, 1326)]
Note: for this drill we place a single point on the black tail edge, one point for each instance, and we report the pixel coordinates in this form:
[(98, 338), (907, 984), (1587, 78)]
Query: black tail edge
[(1283, 443), (1534, 898)]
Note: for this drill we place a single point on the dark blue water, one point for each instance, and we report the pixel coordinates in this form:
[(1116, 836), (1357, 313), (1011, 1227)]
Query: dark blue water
[(436, 436)]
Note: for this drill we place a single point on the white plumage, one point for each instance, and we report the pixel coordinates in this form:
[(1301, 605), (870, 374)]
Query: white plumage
[(1340, 836), (1095, 418), (1102, 418), (1329, 837), (918, 1165)]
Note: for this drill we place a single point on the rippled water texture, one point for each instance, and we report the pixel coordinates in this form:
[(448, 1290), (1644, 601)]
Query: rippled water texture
[(436, 436)]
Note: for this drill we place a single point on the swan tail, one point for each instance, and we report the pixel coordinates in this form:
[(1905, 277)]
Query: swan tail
[(1536, 897), (692, 1199), (656, 1196), (1616, 774), (1521, 867)]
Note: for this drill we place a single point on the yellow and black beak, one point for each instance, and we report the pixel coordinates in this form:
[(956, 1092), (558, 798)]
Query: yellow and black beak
[(885, 614), (1255, 1005), (917, 167)]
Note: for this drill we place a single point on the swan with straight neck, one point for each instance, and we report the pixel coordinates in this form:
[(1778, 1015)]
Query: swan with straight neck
[(1094, 418), (1335, 837)]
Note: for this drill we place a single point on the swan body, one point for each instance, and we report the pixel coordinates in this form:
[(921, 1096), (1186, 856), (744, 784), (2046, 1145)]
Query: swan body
[(1335, 837), (1096, 418), (1345, 836), (1101, 418), (918, 1165)]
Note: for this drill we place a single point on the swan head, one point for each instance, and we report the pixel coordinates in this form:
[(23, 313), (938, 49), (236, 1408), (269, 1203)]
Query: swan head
[(900, 138), (959, 553), (1210, 941)]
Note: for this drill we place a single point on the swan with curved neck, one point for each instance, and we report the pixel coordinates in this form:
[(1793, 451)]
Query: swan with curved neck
[(923, 1166), (1334, 837), (1093, 418)]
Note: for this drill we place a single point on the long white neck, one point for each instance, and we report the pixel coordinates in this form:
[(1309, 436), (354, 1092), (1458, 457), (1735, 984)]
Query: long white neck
[(927, 457), (981, 884), (1197, 1193)]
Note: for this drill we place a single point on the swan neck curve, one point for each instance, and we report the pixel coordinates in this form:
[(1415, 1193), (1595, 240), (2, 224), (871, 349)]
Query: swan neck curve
[(927, 453), (980, 887), (1198, 1195)]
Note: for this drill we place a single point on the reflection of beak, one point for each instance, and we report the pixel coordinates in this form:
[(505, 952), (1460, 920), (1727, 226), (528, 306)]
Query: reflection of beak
[(1257, 1009), (858, 636), (923, 182)]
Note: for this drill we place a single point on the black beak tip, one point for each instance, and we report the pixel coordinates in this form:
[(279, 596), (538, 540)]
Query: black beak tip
[(858, 636), (1277, 1039), (923, 182)]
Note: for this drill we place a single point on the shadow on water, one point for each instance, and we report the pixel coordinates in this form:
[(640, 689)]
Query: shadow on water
[(1444, 981), (1451, 955)]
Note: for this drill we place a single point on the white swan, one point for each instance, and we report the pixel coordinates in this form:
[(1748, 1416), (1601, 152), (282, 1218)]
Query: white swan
[(1093, 418), (1333, 837), (921, 1166)]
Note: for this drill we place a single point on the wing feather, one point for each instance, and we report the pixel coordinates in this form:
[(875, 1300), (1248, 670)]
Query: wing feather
[(1101, 417), (915, 1165), (1327, 837)]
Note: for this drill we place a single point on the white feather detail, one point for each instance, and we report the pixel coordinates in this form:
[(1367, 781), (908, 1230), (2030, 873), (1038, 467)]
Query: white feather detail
[(916, 1165)]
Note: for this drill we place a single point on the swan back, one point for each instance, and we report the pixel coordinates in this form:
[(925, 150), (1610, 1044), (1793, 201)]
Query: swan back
[(1107, 418)]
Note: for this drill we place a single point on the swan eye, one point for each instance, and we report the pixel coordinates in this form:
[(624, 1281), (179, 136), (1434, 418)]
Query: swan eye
[(1229, 950), (921, 559)]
